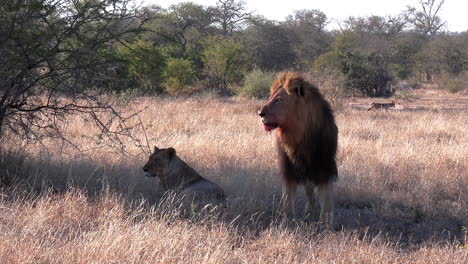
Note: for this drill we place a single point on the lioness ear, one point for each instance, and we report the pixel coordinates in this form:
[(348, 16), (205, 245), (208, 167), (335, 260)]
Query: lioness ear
[(171, 152), (297, 87)]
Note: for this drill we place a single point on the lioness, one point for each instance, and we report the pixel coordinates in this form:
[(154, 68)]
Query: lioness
[(175, 175), (384, 106)]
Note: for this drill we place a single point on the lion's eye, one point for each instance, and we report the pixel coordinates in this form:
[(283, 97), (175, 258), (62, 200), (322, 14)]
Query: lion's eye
[(277, 100)]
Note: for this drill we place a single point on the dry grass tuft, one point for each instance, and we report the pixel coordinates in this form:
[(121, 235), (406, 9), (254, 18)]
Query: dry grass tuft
[(402, 196)]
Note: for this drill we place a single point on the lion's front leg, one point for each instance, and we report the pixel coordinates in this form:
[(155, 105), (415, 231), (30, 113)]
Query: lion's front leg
[(325, 192), (310, 193), (289, 199)]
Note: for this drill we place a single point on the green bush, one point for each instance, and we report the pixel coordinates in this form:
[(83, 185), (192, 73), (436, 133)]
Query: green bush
[(360, 72), (454, 84), (366, 75), (145, 64), (178, 74), (257, 84), (225, 61)]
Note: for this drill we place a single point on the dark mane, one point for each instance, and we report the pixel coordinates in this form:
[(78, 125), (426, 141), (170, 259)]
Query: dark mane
[(313, 157)]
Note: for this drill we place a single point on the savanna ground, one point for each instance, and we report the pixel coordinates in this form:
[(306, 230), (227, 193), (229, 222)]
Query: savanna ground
[(402, 196)]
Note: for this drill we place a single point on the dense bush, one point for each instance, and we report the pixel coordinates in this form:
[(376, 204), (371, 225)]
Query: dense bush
[(453, 84), (365, 75), (225, 62), (178, 74), (257, 84), (360, 72), (145, 64)]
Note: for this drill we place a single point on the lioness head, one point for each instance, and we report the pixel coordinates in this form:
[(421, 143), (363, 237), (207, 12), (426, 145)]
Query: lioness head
[(159, 162), (286, 103)]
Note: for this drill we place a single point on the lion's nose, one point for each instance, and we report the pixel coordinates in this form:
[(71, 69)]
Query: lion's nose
[(261, 113)]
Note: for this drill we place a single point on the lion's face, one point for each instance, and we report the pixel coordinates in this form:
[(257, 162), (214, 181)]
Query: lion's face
[(275, 112), (281, 108), (159, 162)]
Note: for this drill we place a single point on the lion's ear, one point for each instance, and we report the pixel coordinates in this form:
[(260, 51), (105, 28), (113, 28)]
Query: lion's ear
[(155, 149), (171, 152), (297, 87)]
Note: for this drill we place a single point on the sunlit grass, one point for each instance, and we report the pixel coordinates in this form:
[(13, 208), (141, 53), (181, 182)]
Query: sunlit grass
[(402, 196)]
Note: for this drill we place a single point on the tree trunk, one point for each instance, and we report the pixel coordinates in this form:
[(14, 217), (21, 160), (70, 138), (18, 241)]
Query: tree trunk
[(428, 76)]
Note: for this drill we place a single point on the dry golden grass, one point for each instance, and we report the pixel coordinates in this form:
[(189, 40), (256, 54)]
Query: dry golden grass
[(402, 196)]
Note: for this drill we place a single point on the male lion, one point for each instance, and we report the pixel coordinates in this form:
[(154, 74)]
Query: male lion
[(307, 139), (174, 174)]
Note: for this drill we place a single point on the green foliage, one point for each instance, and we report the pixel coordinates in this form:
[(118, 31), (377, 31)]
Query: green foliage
[(363, 73), (456, 84), (269, 45), (178, 74), (145, 64), (225, 61), (54, 48), (327, 62), (453, 83), (403, 54), (180, 29), (257, 84), (305, 30), (446, 54)]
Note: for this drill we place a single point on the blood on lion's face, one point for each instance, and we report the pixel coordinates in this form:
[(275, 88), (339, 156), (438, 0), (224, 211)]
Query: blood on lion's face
[(275, 112)]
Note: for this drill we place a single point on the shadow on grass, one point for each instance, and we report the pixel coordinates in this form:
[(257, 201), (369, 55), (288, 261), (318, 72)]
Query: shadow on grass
[(252, 206), (37, 175), (369, 215)]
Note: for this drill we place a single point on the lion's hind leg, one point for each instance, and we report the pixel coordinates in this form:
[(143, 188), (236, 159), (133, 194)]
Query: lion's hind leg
[(326, 198)]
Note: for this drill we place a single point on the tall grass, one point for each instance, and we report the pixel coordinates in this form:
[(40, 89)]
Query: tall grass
[(402, 196)]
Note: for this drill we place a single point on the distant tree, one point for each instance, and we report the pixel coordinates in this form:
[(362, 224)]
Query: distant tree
[(402, 54), (180, 30), (453, 51), (384, 36), (182, 24), (307, 35), (426, 64), (447, 53), (225, 62), (426, 19), (56, 57), (229, 15), (145, 64), (364, 73), (269, 44), (377, 26), (314, 19), (178, 74)]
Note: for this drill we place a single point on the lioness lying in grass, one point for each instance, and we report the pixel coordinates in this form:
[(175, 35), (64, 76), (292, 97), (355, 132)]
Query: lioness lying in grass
[(175, 175)]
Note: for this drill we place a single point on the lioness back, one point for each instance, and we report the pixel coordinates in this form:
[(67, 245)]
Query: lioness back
[(204, 189)]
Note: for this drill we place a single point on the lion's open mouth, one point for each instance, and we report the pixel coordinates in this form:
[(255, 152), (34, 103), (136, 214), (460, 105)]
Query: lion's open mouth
[(269, 126)]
